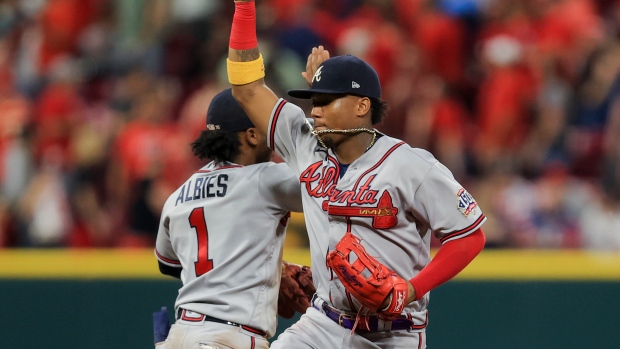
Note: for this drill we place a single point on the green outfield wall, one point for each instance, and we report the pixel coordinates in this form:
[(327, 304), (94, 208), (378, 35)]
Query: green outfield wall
[(506, 299)]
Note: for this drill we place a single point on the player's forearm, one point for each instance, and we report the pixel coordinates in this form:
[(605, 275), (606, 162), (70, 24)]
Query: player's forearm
[(245, 66), (243, 55), (243, 43), (450, 260)]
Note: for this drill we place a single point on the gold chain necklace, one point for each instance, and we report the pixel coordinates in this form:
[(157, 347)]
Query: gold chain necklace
[(351, 130)]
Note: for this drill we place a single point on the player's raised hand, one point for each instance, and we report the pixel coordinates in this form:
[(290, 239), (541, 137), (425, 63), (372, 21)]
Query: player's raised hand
[(318, 56)]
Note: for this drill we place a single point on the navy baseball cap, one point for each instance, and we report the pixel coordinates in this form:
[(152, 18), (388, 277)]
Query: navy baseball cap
[(343, 75), (226, 114)]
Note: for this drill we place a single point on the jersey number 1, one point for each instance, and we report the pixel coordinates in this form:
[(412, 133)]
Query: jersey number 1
[(197, 221)]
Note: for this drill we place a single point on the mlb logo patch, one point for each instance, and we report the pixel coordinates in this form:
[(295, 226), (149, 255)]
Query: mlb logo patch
[(466, 203)]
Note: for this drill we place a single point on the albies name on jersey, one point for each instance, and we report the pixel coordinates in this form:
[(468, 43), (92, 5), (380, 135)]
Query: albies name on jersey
[(203, 187)]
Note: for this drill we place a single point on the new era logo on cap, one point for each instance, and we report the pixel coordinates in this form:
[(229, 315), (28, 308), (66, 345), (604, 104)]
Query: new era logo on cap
[(343, 75)]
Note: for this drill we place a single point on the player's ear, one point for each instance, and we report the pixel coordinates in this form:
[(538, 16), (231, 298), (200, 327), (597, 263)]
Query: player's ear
[(251, 135), (363, 106)]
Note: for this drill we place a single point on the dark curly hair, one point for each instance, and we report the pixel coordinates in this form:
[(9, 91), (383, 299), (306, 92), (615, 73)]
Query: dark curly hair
[(217, 145), (378, 109)]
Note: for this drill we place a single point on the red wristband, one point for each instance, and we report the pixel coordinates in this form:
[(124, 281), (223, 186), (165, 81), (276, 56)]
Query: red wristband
[(243, 31)]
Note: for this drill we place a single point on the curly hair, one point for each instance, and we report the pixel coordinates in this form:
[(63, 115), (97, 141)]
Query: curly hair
[(217, 145), (378, 109)]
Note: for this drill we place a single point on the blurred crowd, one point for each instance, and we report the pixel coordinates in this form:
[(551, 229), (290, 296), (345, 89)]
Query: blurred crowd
[(100, 99)]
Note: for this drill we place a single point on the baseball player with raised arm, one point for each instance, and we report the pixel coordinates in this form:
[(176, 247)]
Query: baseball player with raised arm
[(222, 233), (371, 202)]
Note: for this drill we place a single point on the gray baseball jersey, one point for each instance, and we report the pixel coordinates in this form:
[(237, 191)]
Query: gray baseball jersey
[(225, 226), (393, 197)]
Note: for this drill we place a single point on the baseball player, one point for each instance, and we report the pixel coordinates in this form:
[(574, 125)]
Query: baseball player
[(222, 232), (371, 202)]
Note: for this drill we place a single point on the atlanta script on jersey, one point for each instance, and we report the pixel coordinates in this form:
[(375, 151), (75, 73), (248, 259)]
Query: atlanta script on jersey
[(393, 198)]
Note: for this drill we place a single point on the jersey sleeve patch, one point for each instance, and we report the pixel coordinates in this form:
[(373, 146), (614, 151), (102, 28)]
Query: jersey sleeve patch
[(168, 261), (466, 203)]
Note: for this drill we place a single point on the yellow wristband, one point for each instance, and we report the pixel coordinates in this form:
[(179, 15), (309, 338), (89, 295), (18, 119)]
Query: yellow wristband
[(242, 73)]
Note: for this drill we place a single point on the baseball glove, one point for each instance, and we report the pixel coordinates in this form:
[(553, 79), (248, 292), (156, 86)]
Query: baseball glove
[(296, 289), (369, 281)]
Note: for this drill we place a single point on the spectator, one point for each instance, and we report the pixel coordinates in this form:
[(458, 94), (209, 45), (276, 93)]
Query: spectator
[(600, 223), (593, 119), (100, 99)]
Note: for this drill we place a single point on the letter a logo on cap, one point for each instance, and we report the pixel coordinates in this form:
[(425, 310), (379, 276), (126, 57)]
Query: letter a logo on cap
[(355, 85), (317, 74)]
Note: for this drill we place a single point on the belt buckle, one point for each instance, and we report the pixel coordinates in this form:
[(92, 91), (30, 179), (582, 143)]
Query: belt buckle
[(340, 316)]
